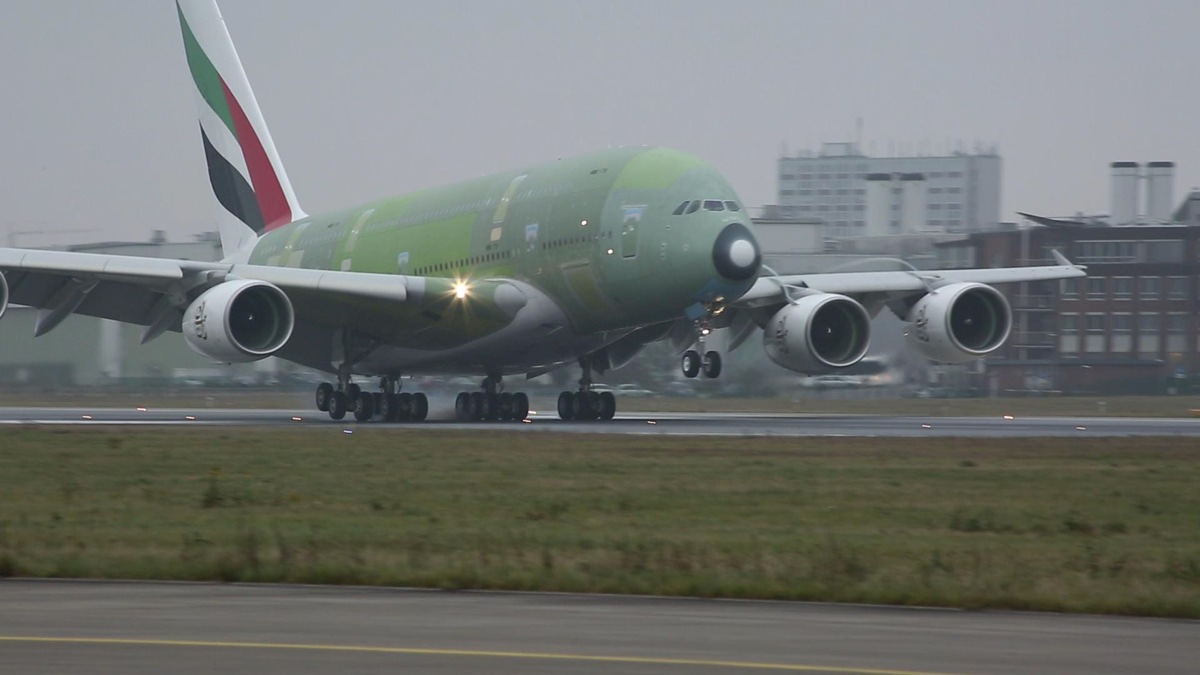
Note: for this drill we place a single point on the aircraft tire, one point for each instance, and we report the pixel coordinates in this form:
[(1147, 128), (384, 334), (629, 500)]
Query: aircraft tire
[(364, 408), (419, 409), (337, 405), (712, 365), (404, 406), (505, 406), (690, 363), (520, 406), (566, 406), (607, 406), (491, 407), (462, 405), (324, 393), (475, 409), (353, 391)]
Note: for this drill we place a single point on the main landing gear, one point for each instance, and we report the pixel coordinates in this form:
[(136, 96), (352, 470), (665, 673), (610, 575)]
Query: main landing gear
[(491, 404), (586, 404), (384, 404)]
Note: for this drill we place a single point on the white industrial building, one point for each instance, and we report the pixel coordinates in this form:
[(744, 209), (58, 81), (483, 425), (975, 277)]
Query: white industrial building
[(860, 196), (1130, 182)]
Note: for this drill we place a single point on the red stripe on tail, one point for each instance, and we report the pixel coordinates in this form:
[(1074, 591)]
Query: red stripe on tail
[(267, 190)]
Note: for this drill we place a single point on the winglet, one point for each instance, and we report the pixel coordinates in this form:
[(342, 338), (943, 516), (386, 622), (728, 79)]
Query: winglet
[(1062, 260)]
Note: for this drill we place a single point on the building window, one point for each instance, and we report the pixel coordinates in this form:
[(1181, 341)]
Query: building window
[(1121, 339), (1094, 340), (1177, 288), (1122, 288), (1095, 288), (1149, 324), (1151, 288), (1069, 288), (1068, 338)]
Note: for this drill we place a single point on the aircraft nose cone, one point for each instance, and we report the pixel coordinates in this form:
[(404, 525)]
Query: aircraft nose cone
[(735, 253)]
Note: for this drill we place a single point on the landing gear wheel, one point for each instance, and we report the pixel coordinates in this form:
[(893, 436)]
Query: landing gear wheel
[(607, 407), (353, 391), (520, 406), (337, 405), (462, 406), (404, 407), (581, 406), (505, 406), (475, 408), (364, 408), (690, 363), (712, 364), (387, 407), (566, 406), (418, 410), (324, 393), (491, 407)]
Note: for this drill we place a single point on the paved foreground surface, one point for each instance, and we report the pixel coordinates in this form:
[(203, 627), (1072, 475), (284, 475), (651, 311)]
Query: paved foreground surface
[(664, 424), (97, 626)]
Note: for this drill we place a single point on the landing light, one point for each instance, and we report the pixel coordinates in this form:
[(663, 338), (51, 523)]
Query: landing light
[(461, 289)]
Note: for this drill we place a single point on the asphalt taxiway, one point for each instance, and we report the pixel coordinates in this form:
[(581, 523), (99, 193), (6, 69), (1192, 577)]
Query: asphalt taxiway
[(694, 424), (98, 626)]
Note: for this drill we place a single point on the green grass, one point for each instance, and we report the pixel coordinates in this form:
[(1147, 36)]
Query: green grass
[(1095, 525)]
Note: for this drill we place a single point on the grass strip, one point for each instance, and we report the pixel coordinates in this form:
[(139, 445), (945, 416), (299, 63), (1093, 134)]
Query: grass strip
[(1083, 525)]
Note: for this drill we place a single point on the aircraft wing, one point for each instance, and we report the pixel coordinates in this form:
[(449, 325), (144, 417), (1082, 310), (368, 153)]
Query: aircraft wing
[(775, 290), (155, 291)]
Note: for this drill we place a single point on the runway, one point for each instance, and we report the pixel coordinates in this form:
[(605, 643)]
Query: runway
[(681, 424), (99, 626)]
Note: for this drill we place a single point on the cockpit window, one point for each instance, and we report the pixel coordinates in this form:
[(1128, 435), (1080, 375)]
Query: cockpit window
[(694, 207), (714, 205), (733, 206), (679, 209)]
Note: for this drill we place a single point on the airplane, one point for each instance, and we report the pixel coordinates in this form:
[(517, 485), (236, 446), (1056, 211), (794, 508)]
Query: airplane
[(583, 260)]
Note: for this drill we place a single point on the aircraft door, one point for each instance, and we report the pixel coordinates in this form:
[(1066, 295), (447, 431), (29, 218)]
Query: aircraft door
[(630, 224)]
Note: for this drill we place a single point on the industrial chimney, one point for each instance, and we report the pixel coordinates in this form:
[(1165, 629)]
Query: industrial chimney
[(1160, 192), (1124, 193)]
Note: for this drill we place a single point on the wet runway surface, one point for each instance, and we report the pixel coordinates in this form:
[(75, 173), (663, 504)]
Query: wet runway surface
[(130, 627), (699, 424)]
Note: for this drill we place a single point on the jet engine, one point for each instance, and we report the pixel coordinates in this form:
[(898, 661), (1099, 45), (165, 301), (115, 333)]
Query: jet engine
[(239, 321), (3, 294), (959, 322), (818, 333)]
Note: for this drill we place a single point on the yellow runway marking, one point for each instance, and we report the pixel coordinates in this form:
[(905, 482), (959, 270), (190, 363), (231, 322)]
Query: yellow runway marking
[(641, 660)]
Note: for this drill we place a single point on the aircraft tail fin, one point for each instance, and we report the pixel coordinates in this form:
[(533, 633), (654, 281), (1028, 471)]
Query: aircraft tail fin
[(248, 180)]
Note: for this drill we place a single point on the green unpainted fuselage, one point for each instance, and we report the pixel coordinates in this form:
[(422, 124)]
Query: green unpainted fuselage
[(597, 234)]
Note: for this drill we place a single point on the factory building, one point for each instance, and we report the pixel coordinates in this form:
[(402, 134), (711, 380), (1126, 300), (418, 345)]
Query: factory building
[(856, 195), (1132, 325)]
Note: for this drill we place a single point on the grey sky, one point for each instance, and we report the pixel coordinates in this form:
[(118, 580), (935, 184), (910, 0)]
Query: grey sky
[(371, 98)]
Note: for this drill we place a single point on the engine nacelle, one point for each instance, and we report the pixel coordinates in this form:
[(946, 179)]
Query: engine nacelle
[(3, 294), (239, 321), (818, 333), (959, 322)]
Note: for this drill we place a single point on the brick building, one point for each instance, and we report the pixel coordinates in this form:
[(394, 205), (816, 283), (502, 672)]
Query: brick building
[(1131, 326)]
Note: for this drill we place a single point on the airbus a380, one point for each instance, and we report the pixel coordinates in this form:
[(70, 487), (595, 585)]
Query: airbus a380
[(580, 261)]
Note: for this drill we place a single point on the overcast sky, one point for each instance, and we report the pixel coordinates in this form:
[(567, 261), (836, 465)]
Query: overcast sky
[(369, 98)]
